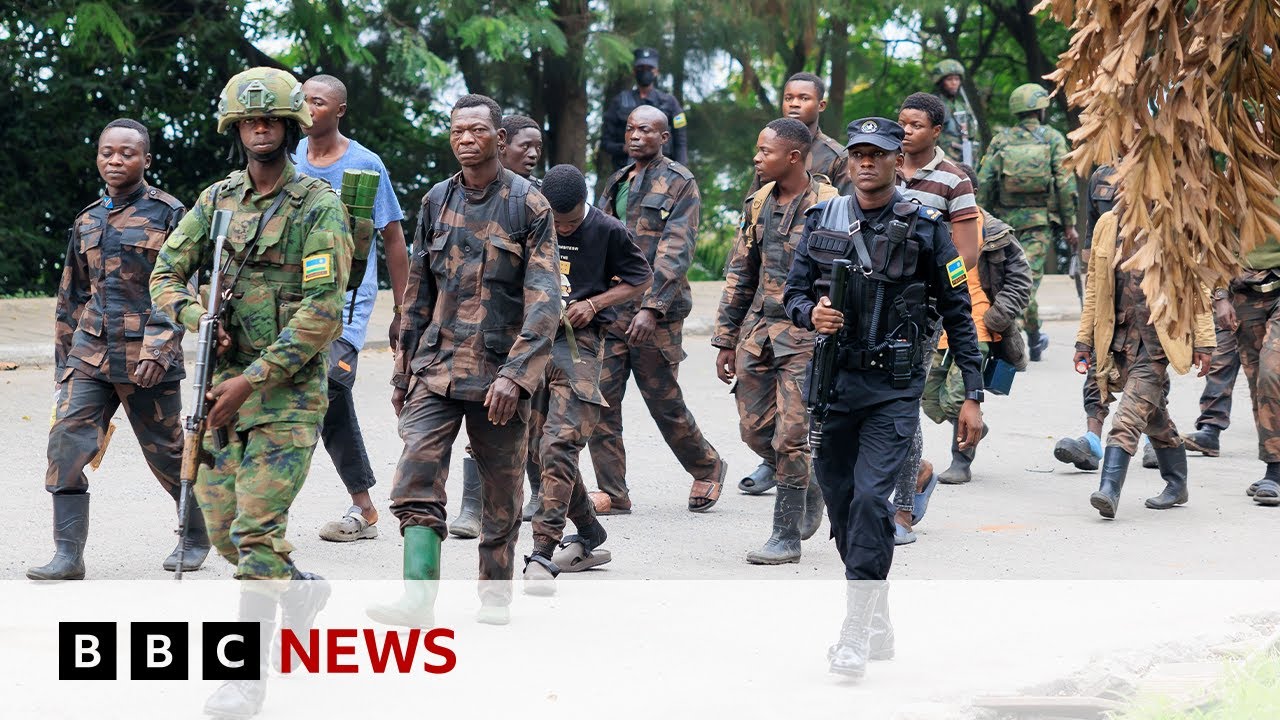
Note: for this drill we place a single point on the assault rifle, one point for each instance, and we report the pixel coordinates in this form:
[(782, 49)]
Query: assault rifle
[(826, 361), (206, 358)]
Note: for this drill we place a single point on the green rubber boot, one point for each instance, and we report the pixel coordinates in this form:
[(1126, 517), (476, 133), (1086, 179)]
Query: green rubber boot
[(416, 608)]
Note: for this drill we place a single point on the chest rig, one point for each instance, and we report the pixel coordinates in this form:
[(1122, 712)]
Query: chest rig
[(886, 303)]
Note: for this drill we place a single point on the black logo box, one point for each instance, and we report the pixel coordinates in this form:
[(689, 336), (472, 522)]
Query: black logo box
[(159, 651)]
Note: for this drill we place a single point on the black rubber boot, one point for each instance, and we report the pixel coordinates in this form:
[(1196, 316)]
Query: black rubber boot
[(1204, 441), (761, 480), (958, 473), (1173, 468), (467, 526), (850, 655), (784, 545), (197, 541), (1076, 451), (535, 492), (1149, 460), (813, 507), (881, 641), (301, 603), (1115, 465), (241, 699), (70, 530)]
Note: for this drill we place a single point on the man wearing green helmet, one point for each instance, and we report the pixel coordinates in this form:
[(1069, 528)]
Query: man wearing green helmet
[(1025, 181), (959, 138), (285, 264)]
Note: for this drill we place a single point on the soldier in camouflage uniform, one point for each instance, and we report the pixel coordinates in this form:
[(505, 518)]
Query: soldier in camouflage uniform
[(960, 123), (595, 249), (759, 345), (1133, 356), (475, 339), (658, 199), (1025, 182), (113, 347), (286, 263), (1250, 310), (804, 97)]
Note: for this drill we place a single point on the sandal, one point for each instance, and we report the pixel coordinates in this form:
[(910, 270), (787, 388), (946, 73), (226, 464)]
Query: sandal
[(351, 527), (1268, 493), (573, 555), (921, 500), (605, 505), (761, 480), (901, 535), (1253, 488), (707, 491)]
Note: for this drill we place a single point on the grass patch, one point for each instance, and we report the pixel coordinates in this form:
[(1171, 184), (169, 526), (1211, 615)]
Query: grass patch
[(1249, 692)]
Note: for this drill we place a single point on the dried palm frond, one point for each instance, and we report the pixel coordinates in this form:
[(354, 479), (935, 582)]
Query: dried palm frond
[(1189, 93)]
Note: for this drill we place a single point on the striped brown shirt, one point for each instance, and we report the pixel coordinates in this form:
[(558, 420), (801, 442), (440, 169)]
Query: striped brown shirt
[(943, 186)]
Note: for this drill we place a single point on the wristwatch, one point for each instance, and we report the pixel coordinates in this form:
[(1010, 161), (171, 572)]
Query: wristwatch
[(396, 310), (975, 395), (1219, 293)]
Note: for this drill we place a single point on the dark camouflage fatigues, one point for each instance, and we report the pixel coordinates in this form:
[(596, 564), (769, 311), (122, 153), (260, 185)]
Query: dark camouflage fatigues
[(1258, 338), (772, 354), (482, 303), (1035, 216), (105, 324), (284, 312), (1220, 382), (662, 211)]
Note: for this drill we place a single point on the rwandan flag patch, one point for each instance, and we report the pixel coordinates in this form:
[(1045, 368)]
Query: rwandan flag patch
[(317, 267), (955, 272)]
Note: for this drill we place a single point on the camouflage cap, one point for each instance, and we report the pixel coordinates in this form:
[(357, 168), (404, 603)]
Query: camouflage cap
[(1028, 98), (262, 92), (945, 68)]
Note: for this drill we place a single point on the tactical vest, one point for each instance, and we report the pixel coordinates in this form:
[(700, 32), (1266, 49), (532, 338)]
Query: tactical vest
[(1103, 192), (268, 286), (1026, 172), (886, 316)]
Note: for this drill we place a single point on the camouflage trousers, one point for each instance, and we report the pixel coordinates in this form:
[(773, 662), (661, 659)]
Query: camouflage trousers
[(246, 495), (656, 365), (1144, 402), (429, 423), (85, 407), (572, 400), (1095, 406), (1036, 242), (1259, 342), (772, 416), (1220, 383), (944, 387)]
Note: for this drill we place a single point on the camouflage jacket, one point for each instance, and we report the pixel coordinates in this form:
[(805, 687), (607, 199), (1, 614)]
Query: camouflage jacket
[(827, 158), (663, 205), (1102, 198), (483, 299), (1057, 206), (952, 138), (751, 308), (1004, 274), (286, 306), (105, 323)]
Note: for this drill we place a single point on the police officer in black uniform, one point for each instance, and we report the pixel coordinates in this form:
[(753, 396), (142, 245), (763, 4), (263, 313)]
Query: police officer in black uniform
[(902, 258), (620, 107)]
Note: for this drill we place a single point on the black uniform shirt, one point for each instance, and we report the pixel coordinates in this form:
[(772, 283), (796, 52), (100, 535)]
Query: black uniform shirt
[(598, 251), (935, 267), (613, 134)]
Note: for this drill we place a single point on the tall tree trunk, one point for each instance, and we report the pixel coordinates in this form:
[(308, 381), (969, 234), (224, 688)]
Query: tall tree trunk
[(566, 86), (833, 119)]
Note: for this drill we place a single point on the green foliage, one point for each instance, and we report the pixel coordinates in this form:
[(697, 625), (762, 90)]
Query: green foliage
[(1248, 692)]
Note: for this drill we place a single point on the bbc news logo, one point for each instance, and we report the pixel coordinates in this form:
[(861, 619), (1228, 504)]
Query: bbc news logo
[(230, 651)]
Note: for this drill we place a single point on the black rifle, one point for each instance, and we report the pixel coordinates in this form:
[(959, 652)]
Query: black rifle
[(826, 361), (206, 358)]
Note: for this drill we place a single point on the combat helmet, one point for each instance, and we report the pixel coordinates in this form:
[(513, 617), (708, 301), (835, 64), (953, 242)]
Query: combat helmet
[(262, 92), (945, 68), (1028, 98)]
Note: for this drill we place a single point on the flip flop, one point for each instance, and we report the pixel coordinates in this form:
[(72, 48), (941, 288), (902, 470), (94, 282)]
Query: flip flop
[(573, 555), (902, 536), (921, 502), (1253, 488)]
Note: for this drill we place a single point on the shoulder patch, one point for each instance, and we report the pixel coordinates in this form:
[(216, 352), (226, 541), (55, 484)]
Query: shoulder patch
[(930, 213), (317, 267), (955, 271), (679, 121)]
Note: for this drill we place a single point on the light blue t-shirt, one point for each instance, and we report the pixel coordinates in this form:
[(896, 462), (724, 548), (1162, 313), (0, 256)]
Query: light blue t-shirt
[(386, 210)]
